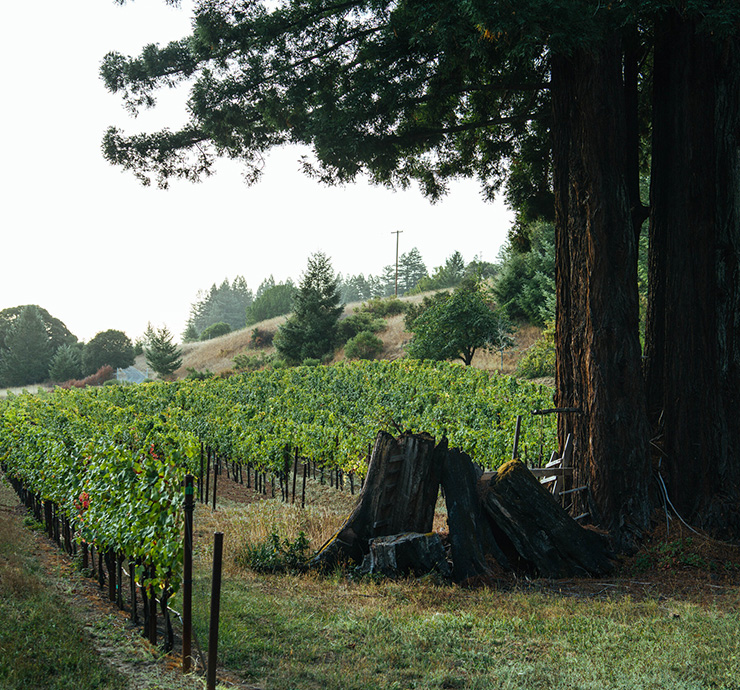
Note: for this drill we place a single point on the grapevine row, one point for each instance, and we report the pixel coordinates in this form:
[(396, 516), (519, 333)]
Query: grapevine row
[(113, 458)]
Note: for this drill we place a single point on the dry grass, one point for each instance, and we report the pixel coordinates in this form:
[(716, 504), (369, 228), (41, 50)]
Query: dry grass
[(251, 520), (217, 355)]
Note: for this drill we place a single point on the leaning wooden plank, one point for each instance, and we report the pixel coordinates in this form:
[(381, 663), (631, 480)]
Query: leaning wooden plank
[(472, 542)]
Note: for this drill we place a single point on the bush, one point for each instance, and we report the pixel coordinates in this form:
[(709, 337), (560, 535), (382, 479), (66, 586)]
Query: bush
[(97, 379), (245, 362), (539, 361), (311, 362), (384, 307), (359, 323), (215, 330), (261, 337), (365, 345), (275, 555)]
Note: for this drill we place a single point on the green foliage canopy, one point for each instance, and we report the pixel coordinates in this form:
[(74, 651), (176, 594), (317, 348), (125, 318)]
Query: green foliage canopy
[(226, 303), (458, 325), (272, 299), (525, 283), (215, 330), (111, 347), (29, 337)]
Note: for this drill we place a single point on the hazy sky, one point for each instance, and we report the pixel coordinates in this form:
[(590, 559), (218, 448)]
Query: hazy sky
[(87, 242)]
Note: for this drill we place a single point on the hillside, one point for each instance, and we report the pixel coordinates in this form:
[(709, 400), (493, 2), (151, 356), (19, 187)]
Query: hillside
[(217, 355)]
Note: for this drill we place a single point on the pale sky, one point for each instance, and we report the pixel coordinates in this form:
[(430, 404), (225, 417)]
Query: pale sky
[(89, 244)]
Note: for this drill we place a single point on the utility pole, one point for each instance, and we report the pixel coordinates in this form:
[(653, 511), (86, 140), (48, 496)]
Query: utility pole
[(396, 233)]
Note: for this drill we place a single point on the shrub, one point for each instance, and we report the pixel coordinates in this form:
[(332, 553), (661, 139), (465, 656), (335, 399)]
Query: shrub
[(365, 345), (379, 306), (97, 379), (261, 337), (275, 555), (194, 375), (245, 362), (357, 323), (539, 361), (215, 330), (311, 362)]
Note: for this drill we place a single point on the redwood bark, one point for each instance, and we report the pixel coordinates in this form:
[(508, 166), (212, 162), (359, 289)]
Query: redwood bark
[(598, 351), (693, 328)]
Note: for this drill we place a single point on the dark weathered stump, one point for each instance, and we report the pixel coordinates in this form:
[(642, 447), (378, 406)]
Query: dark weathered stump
[(399, 495), (407, 554), (527, 520)]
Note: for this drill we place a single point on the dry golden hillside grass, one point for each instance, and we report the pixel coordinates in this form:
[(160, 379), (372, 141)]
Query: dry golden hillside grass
[(217, 355)]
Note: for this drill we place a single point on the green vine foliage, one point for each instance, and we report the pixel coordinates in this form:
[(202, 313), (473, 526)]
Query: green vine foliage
[(114, 458)]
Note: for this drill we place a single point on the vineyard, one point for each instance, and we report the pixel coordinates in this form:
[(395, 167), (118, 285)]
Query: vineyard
[(104, 467)]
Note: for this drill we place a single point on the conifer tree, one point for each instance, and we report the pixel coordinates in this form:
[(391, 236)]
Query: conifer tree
[(426, 91), (162, 354), (311, 331)]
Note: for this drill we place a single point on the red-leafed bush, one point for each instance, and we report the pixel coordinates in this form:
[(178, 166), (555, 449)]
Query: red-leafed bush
[(97, 379)]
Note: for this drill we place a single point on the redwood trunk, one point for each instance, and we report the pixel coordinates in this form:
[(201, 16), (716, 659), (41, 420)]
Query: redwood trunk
[(693, 329), (598, 350)]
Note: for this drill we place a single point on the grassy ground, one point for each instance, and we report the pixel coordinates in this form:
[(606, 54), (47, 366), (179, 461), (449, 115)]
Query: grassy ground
[(670, 620), (42, 644)]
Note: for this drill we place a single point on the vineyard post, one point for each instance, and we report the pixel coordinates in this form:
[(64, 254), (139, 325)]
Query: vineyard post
[(215, 474), (119, 579), (515, 452), (208, 472), (286, 476), (187, 577), (200, 476), (132, 587), (303, 490), (47, 519), (218, 545), (295, 472)]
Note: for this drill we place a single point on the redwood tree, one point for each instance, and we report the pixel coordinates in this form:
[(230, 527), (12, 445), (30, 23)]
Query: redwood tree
[(598, 366), (693, 330), (424, 91)]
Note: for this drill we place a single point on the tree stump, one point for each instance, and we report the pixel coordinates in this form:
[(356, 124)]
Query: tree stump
[(407, 554), (472, 541), (500, 520), (529, 522), (399, 495)]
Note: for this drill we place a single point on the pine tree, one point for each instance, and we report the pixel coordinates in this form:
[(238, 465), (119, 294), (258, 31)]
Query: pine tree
[(162, 354), (66, 364), (311, 331)]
